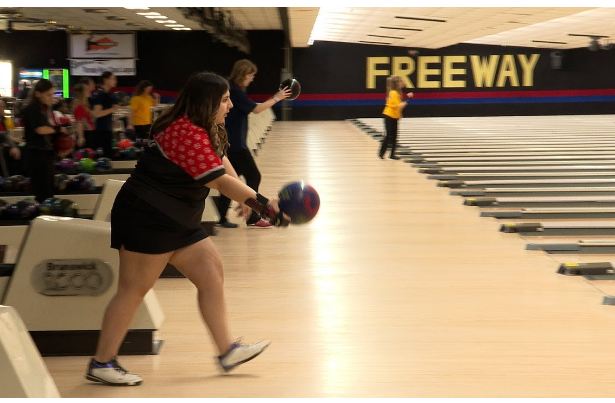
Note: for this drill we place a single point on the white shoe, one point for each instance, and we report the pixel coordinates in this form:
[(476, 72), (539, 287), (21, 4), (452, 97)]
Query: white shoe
[(111, 373), (240, 353)]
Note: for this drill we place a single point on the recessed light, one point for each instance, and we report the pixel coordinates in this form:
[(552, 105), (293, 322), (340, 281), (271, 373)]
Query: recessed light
[(166, 22), (136, 8), (173, 25), (150, 13), (183, 29), (157, 17)]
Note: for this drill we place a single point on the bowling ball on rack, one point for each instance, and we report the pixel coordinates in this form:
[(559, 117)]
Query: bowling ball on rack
[(129, 153), (83, 181), (84, 153), (12, 183), (24, 209), (140, 143), (104, 164), (59, 207), (99, 152), (24, 185), (60, 182), (299, 201), (67, 165), (125, 143), (294, 86), (65, 208), (87, 165), (47, 205)]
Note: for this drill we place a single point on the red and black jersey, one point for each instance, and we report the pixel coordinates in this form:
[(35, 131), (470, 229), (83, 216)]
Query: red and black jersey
[(174, 169)]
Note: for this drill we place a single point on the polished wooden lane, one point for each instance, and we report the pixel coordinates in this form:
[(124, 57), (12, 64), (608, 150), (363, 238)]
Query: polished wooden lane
[(395, 290)]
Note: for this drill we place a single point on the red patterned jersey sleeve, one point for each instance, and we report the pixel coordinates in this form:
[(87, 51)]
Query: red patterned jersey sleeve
[(188, 146)]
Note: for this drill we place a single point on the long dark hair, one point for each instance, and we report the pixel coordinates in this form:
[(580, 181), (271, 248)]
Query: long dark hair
[(142, 86), (199, 100), (42, 85)]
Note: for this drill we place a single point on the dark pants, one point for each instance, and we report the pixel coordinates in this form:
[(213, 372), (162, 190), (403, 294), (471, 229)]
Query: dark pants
[(142, 131), (244, 166), (41, 171), (390, 139), (103, 140), (90, 139), (15, 167)]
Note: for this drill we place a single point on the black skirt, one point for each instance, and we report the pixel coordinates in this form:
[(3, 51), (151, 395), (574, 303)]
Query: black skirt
[(142, 228)]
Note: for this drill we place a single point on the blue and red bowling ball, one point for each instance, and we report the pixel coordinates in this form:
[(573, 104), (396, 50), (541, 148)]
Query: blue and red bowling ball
[(299, 201)]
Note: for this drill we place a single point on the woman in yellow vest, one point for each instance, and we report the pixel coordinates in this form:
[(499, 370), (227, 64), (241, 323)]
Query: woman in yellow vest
[(140, 106), (392, 113)]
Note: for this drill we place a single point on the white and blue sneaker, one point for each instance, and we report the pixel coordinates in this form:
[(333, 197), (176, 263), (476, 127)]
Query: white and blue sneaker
[(111, 373), (240, 353)]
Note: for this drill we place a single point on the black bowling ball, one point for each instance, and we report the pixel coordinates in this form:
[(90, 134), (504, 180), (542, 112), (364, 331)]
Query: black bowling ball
[(294, 86), (21, 210)]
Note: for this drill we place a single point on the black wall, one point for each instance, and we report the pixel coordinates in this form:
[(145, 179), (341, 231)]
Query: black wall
[(329, 70), (333, 75), (165, 58)]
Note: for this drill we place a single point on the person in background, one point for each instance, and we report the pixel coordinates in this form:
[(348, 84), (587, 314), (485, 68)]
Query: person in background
[(84, 122), (239, 154), (141, 103), (38, 133), (104, 105), (10, 149), (61, 113), (393, 112), (90, 85)]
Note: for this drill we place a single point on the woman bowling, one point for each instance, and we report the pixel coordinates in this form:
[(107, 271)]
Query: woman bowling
[(156, 219)]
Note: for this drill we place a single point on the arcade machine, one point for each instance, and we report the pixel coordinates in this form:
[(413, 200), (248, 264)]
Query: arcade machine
[(59, 78), (28, 77)]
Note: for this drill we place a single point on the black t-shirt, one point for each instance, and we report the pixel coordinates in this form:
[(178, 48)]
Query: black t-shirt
[(236, 122), (173, 170), (107, 100), (33, 118)]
